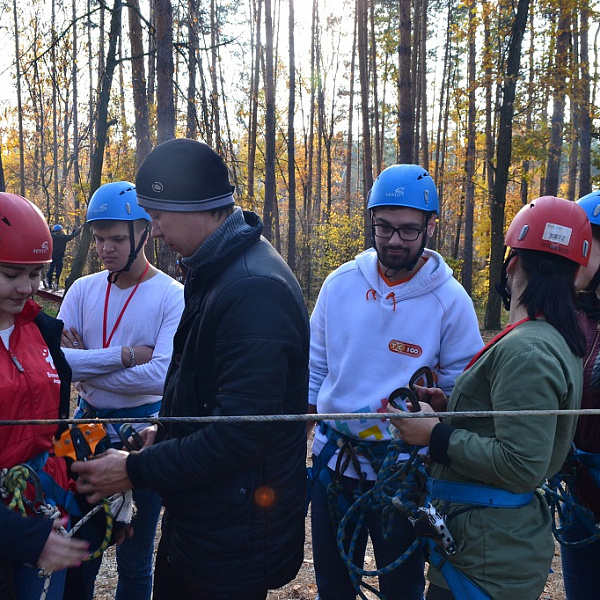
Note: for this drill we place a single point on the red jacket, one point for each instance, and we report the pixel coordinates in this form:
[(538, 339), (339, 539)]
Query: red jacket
[(30, 389)]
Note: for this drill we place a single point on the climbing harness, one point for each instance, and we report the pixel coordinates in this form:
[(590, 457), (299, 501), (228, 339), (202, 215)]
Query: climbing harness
[(396, 492), (403, 489), (565, 505)]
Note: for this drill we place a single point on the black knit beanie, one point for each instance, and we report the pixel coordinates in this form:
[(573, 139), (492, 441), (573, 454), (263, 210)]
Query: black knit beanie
[(183, 175)]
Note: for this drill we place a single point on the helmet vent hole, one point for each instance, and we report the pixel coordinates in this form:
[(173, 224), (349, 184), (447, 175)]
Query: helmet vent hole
[(597, 210)]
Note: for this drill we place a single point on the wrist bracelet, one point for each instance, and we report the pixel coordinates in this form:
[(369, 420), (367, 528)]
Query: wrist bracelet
[(132, 354)]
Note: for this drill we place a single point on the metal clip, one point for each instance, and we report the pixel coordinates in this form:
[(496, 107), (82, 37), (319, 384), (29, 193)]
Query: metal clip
[(430, 523)]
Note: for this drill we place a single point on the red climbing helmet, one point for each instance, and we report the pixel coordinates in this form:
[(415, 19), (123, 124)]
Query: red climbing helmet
[(24, 234), (554, 225)]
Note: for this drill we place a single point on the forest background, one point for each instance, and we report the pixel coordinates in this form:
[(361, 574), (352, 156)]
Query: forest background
[(308, 102)]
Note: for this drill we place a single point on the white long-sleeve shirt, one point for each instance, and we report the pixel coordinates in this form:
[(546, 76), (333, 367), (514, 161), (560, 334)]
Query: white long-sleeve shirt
[(150, 319)]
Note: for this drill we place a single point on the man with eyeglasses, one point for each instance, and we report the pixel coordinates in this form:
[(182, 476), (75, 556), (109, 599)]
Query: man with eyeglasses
[(379, 318)]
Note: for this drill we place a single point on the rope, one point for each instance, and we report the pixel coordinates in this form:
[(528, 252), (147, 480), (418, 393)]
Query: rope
[(14, 482), (309, 417), (566, 508), (396, 492)]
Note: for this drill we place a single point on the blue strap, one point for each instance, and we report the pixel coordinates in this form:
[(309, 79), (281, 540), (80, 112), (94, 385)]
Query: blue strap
[(144, 410), (478, 495), (53, 492), (59, 495), (460, 585)]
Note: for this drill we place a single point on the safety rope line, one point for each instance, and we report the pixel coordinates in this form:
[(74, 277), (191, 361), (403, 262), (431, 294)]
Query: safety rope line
[(309, 417)]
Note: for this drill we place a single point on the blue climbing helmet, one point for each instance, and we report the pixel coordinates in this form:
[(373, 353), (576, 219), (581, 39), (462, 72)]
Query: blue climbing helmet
[(405, 185), (117, 201), (57, 228), (591, 205)]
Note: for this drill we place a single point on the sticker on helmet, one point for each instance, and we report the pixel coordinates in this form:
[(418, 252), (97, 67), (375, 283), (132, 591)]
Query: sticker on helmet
[(559, 234)]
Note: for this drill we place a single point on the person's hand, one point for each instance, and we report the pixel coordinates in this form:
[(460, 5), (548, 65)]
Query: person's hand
[(413, 431), (70, 338), (103, 476), (148, 435), (60, 552), (433, 396)]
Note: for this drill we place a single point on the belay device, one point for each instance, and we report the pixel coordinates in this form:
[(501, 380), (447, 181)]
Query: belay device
[(82, 441)]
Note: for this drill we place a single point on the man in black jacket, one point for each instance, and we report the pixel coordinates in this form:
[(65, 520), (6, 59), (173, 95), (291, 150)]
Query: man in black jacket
[(233, 491)]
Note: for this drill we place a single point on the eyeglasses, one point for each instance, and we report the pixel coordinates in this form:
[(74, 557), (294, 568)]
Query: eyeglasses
[(406, 233)]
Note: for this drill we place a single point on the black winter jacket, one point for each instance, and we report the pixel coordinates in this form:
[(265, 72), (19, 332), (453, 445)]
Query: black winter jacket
[(234, 492)]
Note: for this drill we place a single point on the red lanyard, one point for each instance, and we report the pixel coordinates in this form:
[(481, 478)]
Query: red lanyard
[(494, 340), (106, 342)]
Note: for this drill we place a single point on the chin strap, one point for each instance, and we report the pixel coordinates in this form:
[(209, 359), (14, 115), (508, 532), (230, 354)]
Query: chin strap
[(112, 277)]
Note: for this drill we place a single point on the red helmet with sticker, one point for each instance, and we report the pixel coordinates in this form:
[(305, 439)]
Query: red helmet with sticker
[(554, 225), (24, 234)]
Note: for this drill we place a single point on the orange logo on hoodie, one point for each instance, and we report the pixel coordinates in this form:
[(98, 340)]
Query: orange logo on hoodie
[(405, 348)]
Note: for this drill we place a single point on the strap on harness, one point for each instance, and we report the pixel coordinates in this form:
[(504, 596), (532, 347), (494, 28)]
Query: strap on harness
[(460, 585), (478, 495)]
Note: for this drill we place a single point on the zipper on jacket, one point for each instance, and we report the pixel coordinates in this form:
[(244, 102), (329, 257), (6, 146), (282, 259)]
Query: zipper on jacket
[(16, 361)]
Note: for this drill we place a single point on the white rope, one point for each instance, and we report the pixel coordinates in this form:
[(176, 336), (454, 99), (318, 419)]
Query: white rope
[(310, 417)]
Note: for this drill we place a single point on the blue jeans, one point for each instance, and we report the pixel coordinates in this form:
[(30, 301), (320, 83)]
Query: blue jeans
[(134, 556), (407, 582), (29, 586), (581, 572)]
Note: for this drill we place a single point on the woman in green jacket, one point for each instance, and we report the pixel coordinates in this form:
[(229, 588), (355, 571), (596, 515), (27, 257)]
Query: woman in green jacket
[(485, 470)]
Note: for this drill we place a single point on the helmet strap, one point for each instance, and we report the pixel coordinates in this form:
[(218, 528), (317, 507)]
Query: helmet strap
[(501, 286), (595, 281), (112, 277)]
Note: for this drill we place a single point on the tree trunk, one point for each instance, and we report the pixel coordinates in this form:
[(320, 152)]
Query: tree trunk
[(558, 101), (253, 97), (138, 72), (270, 193), (364, 101), (585, 181), (467, 270), (348, 173), (165, 106), (19, 103), (405, 106), (291, 147), (503, 158), (101, 128)]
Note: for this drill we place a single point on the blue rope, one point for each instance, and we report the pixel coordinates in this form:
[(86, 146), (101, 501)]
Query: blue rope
[(396, 492), (566, 509)]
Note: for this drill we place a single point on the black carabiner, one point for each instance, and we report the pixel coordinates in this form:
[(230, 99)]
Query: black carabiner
[(127, 431)]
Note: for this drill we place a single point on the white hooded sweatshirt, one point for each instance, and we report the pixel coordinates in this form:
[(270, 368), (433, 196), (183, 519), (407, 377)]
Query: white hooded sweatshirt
[(368, 338)]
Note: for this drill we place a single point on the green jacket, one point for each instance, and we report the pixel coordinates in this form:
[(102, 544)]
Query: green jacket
[(508, 551)]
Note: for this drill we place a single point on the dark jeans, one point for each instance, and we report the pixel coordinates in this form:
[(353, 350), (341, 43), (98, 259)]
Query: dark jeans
[(170, 584), (55, 265), (580, 566), (406, 582), (435, 592)]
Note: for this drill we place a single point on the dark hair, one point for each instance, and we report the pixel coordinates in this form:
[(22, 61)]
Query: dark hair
[(550, 291)]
